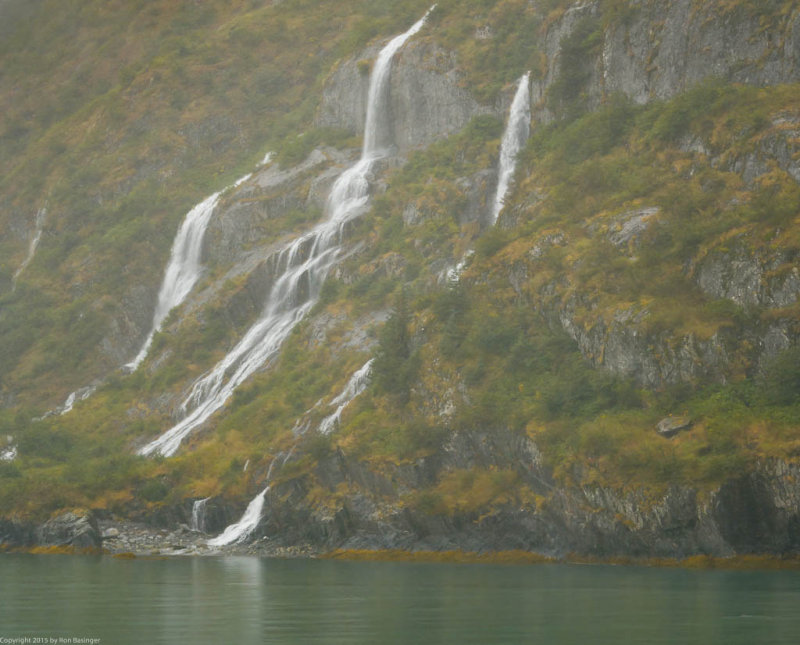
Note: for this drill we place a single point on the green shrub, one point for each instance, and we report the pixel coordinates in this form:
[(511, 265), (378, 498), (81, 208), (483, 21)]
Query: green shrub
[(396, 364), (153, 490), (566, 94), (780, 381)]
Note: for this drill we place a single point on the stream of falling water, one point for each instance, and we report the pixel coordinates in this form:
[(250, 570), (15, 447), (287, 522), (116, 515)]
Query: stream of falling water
[(199, 515), (41, 215), (516, 134), (355, 386), (239, 531), (184, 267), (302, 267)]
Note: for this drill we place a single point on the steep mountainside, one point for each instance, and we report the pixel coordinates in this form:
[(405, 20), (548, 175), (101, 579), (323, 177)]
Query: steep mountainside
[(346, 345)]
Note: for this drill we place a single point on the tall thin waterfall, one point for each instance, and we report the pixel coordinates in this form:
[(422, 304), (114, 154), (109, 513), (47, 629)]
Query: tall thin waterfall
[(41, 215), (302, 267), (184, 265), (355, 386), (516, 134)]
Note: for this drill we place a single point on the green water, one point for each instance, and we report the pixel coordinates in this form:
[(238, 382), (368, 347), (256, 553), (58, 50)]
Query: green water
[(251, 600)]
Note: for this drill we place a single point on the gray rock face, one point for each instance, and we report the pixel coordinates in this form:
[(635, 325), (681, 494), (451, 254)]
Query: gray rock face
[(69, 529), (426, 102), (779, 147), (758, 512), (665, 47), (241, 221), (748, 278), (478, 191), (628, 228), (344, 97), (623, 346), (130, 323)]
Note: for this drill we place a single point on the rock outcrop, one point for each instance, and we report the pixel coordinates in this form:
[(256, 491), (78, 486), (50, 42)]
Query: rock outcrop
[(69, 529), (758, 512), (426, 99), (657, 49)]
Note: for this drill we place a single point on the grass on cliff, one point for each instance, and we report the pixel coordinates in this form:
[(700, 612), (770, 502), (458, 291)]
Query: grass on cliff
[(513, 369), (486, 359)]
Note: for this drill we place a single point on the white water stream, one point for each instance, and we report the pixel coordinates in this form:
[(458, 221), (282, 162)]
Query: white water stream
[(199, 515), (41, 215), (184, 265), (245, 526), (302, 267), (249, 521), (9, 452), (518, 128), (516, 134), (78, 395), (355, 386)]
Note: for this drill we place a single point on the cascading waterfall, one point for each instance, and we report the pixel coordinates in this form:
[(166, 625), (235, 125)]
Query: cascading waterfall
[(453, 273), (245, 526), (355, 386), (516, 134), (182, 273), (184, 265), (78, 395), (239, 531), (41, 215), (302, 265)]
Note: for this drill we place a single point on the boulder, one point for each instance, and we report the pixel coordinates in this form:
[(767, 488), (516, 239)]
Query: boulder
[(669, 426), (69, 529)]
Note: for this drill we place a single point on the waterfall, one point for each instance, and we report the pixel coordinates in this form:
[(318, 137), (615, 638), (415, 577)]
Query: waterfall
[(41, 215), (355, 386), (184, 265), (78, 395), (377, 130), (249, 521), (199, 515), (9, 453), (245, 526), (302, 267), (514, 137)]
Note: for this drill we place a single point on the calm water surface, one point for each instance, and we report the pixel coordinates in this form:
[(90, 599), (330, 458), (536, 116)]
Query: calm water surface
[(250, 600)]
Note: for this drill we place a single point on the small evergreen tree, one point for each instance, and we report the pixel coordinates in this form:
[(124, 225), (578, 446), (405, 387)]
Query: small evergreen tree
[(396, 364)]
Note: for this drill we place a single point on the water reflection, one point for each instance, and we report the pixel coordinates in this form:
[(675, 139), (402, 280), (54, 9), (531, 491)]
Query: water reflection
[(250, 600)]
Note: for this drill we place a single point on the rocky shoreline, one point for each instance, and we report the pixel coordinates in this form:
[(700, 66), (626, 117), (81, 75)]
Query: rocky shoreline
[(131, 539), (83, 532), (128, 537)]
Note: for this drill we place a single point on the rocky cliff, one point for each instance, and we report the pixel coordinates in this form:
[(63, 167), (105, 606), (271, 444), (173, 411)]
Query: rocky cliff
[(656, 50), (645, 264), (756, 513)]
